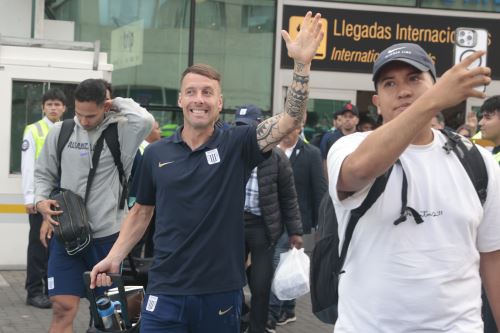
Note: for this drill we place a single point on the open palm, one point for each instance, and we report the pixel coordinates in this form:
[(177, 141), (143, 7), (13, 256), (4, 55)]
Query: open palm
[(304, 47)]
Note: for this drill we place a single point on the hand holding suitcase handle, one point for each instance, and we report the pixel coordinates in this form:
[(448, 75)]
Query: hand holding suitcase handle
[(117, 280), (102, 271)]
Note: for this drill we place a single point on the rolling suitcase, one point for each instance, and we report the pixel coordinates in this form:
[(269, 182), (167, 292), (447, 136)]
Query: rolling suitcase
[(126, 323)]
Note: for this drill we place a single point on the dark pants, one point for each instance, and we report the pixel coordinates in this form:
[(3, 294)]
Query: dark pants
[(276, 306), (261, 272), (36, 270), (489, 322)]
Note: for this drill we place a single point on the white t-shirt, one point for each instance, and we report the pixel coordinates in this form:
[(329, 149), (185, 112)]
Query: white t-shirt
[(416, 277)]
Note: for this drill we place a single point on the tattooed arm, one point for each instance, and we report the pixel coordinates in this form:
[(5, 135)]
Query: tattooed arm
[(302, 50)]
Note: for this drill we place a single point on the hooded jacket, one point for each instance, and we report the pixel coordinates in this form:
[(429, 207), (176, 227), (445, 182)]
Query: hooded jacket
[(134, 124)]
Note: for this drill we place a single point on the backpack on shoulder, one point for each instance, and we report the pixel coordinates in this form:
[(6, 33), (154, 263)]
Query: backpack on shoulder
[(326, 261), (74, 229)]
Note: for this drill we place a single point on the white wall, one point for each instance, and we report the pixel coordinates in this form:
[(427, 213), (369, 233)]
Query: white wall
[(15, 22)]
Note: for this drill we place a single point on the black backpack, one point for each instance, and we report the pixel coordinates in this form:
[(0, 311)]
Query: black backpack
[(326, 262)]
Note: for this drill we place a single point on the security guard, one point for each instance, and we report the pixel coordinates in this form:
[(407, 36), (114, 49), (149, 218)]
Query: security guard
[(53, 107)]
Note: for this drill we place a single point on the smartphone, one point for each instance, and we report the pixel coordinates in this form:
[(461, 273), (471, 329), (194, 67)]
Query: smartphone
[(467, 41)]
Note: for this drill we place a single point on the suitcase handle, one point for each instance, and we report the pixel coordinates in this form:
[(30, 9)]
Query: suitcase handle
[(118, 282)]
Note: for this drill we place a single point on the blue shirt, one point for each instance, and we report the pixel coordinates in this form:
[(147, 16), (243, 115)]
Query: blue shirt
[(199, 197)]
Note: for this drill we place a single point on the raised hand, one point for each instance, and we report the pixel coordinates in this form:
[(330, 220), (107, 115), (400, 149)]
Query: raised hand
[(304, 47), (458, 83)]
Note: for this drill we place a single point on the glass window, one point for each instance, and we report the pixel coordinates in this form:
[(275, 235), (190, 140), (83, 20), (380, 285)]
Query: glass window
[(147, 41), (27, 109), (148, 44), (479, 5), (238, 40), (408, 3), (257, 18)]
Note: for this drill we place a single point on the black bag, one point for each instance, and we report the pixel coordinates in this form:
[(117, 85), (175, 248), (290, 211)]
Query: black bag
[(73, 229), (326, 263), (323, 279)]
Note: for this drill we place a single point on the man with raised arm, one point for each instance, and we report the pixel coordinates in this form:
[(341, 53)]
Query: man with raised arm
[(94, 113), (196, 180), (417, 256)]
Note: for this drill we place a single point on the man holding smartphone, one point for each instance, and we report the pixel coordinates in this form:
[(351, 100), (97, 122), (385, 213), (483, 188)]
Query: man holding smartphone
[(422, 274)]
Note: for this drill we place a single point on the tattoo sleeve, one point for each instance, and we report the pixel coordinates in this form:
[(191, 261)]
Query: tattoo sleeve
[(271, 131)]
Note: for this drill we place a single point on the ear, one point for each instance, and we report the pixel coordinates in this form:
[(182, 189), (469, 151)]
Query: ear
[(375, 100), (220, 103), (179, 100), (107, 105)]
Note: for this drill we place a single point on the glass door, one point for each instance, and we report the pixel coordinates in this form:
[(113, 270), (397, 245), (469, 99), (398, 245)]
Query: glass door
[(321, 106)]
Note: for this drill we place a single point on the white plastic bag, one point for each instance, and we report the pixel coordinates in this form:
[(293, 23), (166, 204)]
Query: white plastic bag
[(291, 279)]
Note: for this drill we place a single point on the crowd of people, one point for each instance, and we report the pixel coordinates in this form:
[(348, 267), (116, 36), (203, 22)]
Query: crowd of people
[(221, 202)]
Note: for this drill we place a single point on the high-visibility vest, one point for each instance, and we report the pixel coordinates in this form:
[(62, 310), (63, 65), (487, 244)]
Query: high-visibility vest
[(497, 157), (39, 130), (478, 139)]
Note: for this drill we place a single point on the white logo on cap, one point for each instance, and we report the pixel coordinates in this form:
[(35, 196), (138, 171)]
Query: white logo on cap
[(398, 50), (394, 50), (243, 112)]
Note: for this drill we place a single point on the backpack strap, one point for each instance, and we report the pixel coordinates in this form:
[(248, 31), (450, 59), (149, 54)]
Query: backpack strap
[(96, 156), (376, 190), (111, 137), (66, 130), (471, 159), (405, 209)]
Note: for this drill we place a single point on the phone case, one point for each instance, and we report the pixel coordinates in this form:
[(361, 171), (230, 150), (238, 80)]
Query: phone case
[(467, 41)]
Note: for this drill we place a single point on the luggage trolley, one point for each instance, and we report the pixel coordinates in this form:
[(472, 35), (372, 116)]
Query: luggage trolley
[(128, 326)]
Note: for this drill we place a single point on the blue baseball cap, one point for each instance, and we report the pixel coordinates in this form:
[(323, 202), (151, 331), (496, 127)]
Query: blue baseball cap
[(248, 115), (409, 53)]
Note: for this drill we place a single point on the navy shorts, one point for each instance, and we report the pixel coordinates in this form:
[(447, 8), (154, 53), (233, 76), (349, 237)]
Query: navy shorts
[(218, 312), (65, 272)]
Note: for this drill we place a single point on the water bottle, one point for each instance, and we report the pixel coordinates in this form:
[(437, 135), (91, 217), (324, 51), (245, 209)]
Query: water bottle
[(107, 312)]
